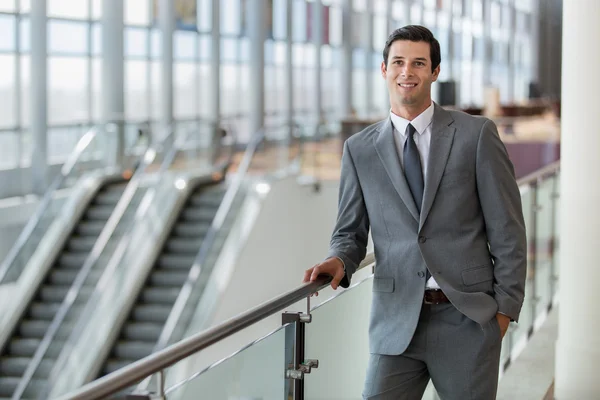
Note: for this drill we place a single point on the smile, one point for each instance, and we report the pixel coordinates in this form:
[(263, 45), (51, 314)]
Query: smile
[(407, 85)]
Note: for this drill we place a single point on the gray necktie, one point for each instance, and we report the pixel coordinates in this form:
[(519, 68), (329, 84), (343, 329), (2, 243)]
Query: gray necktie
[(412, 167)]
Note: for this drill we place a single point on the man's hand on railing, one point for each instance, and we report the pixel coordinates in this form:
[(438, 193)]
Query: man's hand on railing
[(332, 266)]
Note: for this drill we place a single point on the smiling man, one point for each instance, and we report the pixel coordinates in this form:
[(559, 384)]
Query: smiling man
[(437, 190)]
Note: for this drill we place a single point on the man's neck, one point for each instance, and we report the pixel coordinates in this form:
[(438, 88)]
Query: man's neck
[(410, 112)]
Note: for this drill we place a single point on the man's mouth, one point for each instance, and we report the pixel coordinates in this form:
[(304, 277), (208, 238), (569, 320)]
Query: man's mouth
[(407, 85)]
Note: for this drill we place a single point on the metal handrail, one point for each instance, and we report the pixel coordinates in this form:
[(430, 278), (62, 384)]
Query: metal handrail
[(118, 254), (127, 376), (35, 219), (534, 177), (83, 273)]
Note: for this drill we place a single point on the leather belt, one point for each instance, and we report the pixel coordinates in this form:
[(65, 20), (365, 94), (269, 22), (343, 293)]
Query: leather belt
[(435, 296)]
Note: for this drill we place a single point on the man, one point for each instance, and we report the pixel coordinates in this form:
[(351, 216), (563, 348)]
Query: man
[(438, 192)]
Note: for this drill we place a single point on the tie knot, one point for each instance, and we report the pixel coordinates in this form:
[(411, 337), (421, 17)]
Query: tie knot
[(410, 130)]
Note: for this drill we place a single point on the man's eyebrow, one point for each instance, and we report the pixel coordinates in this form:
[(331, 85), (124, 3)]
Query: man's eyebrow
[(402, 58)]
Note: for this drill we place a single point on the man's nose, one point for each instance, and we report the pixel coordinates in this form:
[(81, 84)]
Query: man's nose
[(406, 71)]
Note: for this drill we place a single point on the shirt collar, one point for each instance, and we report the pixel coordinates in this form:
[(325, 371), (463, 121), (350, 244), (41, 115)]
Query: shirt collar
[(420, 123)]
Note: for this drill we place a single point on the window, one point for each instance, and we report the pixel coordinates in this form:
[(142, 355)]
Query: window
[(136, 42), (8, 6), (230, 17), (136, 90), (68, 37), (7, 33), (137, 12), (185, 90), (7, 91), (185, 47), (67, 94), (68, 9)]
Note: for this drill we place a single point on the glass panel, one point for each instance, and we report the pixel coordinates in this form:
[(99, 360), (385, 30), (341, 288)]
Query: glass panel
[(136, 42), (257, 372), (204, 46), (543, 245), (204, 15), (68, 37), (137, 12), (68, 94), (136, 90), (347, 320), (556, 243), (520, 331), (25, 6), (96, 9), (186, 89), (185, 46), (96, 88), (25, 35), (230, 20), (25, 88), (8, 117), (9, 150), (96, 39), (7, 6), (68, 9), (206, 99), (7, 33)]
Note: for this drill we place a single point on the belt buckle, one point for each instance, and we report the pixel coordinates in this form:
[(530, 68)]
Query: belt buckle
[(425, 301)]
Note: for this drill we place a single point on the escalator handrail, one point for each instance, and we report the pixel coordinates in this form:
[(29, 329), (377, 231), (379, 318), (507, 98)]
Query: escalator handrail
[(35, 219), (90, 261), (133, 373), (215, 227), (121, 247), (224, 209)]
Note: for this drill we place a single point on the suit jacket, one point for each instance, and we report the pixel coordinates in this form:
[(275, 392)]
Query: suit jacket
[(470, 233)]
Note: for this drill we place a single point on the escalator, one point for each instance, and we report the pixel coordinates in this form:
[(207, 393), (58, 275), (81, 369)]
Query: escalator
[(35, 322), (141, 330)]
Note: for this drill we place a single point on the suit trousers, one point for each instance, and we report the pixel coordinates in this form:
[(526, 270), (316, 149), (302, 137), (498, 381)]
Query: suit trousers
[(460, 356)]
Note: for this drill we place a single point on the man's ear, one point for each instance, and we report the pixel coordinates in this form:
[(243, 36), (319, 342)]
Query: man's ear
[(436, 73), (383, 69)]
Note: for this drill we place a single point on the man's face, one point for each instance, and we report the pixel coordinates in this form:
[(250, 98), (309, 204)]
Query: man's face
[(408, 73)]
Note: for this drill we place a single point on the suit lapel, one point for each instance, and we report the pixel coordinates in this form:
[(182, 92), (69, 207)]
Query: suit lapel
[(385, 145), (442, 136)]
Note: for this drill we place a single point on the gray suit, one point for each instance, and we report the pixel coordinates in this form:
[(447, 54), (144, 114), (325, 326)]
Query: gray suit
[(470, 233)]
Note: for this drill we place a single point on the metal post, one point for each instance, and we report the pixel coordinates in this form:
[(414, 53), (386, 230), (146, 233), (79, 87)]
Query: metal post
[(369, 58), (289, 69), (532, 246), (166, 18), (317, 25), (256, 27), (487, 35), (113, 78), (39, 84), (347, 67), (511, 51), (215, 74)]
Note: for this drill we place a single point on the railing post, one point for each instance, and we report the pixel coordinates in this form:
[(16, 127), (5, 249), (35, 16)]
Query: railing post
[(533, 248), (553, 239), (299, 366)]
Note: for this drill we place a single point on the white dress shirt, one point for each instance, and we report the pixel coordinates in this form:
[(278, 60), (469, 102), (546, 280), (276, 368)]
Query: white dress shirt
[(422, 125)]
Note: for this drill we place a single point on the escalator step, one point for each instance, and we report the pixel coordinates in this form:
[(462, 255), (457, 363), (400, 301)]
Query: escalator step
[(201, 200), (183, 245), (43, 311), (56, 293), (81, 243), (99, 213), (133, 350), (159, 295), (37, 329), (72, 260), (142, 331), (198, 215), (163, 278), (93, 228), (151, 313), (26, 348), (114, 364), (172, 262), (108, 198), (9, 385), (16, 366), (191, 230)]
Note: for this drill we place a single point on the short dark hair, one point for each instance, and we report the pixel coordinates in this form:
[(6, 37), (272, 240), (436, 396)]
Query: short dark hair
[(415, 33)]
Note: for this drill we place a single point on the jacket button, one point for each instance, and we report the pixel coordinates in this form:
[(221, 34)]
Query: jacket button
[(421, 274), (422, 239)]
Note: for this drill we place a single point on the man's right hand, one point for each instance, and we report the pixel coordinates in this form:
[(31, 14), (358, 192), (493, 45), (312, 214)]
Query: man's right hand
[(332, 266)]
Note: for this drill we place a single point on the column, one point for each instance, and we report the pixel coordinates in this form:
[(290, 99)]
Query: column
[(317, 31), (346, 68), (113, 79), (369, 58), (487, 39), (578, 344), (166, 20), (256, 10), (535, 41), (512, 47), (391, 26), (289, 68), (215, 74), (39, 84)]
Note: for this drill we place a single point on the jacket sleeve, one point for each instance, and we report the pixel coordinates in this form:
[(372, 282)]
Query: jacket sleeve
[(350, 236), (500, 201)]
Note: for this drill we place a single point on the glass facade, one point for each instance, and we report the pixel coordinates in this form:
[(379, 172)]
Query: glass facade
[(468, 30)]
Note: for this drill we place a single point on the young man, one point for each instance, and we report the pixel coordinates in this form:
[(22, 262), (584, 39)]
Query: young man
[(438, 192)]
